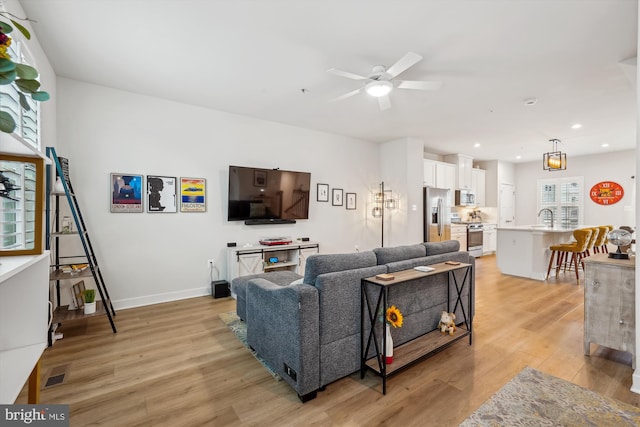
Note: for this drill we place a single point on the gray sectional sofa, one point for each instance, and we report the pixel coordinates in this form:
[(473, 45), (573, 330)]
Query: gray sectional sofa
[(309, 332)]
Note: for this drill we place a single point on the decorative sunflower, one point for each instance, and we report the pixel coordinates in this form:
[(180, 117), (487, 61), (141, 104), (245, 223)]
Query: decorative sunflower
[(394, 317)]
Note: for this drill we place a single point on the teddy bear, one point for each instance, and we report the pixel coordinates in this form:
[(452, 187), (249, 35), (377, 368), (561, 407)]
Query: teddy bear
[(447, 323)]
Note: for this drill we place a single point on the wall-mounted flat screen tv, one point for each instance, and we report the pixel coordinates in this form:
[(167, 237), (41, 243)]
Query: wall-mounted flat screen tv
[(267, 195)]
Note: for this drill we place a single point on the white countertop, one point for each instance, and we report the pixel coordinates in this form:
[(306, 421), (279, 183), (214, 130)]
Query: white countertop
[(542, 228)]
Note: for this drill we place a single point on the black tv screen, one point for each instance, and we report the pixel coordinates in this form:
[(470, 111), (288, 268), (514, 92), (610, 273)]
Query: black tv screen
[(267, 194)]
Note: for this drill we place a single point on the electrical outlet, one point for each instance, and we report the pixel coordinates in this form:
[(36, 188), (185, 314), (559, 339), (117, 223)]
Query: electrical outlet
[(211, 263)]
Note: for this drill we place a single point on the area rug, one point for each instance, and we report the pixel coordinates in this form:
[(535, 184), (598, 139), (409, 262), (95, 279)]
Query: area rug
[(533, 398), (239, 328)]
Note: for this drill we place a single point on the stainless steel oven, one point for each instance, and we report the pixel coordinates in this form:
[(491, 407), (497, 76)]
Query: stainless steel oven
[(474, 239)]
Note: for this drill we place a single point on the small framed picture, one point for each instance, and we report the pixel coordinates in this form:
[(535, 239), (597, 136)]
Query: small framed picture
[(336, 197), (323, 192), (259, 178), (161, 194), (351, 201), (126, 192), (193, 195)]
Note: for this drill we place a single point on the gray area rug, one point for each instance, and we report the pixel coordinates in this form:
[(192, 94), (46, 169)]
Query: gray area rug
[(533, 398), (239, 328)]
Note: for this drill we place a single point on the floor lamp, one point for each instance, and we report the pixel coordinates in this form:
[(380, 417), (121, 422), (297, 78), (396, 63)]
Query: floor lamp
[(382, 201)]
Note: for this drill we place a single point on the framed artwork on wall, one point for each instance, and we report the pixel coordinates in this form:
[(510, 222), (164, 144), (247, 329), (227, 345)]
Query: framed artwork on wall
[(193, 195), (126, 192), (323, 192), (336, 197), (161, 194), (260, 178), (351, 201)]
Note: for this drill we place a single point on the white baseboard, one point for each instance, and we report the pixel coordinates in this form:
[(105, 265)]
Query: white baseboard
[(635, 385), (160, 298)]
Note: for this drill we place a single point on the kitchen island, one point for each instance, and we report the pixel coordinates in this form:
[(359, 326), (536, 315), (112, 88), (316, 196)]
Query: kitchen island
[(524, 250)]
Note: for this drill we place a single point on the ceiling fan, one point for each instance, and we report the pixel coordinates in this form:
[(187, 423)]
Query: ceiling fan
[(380, 81)]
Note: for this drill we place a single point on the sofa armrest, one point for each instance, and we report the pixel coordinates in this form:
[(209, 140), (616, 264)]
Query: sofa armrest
[(283, 328)]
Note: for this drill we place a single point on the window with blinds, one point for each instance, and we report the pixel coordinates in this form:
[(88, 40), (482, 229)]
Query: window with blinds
[(21, 200), (27, 121), (564, 197)]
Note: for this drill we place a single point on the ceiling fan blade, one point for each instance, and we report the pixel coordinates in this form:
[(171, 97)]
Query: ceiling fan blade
[(347, 95), (419, 85), (384, 102), (346, 74), (403, 63)]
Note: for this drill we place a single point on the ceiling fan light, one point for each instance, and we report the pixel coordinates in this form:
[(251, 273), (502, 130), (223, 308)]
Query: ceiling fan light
[(379, 88)]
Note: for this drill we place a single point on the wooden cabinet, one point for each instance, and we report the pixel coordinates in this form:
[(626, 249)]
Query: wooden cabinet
[(459, 233), (260, 259), (478, 185), (609, 304)]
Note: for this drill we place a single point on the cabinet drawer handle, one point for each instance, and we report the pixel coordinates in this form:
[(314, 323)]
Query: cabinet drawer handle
[(621, 322)]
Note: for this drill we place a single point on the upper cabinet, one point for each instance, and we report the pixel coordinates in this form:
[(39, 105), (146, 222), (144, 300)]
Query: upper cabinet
[(440, 175), (478, 179), (464, 165)]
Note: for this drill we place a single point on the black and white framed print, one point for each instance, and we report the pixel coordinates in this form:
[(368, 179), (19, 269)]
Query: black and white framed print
[(336, 197), (323, 192), (161, 194), (351, 201)]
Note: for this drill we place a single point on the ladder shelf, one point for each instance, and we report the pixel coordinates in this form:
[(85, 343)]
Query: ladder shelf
[(92, 270)]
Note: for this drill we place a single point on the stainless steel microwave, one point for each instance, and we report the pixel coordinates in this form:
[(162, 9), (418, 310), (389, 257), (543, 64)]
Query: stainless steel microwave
[(465, 198)]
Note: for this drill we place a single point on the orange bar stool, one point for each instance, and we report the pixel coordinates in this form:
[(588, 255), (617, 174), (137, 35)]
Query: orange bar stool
[(576, 249), (602, 238)]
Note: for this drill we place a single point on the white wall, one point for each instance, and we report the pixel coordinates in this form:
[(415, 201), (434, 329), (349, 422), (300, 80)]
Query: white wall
[(148, 258), (402, 169), (618, 166)]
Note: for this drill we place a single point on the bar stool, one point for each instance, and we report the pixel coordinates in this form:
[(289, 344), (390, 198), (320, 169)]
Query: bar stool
[(598, 246), (595, 233), (576, 249), (605, 248)]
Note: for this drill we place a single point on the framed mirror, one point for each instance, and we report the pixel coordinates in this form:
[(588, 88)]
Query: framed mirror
[(21, 205)]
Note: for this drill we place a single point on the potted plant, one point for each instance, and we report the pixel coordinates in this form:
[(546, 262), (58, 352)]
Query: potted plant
[(89, 301)]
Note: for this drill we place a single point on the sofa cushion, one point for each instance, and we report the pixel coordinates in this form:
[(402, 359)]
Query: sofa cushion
[(398, 253), (437, 248), (329, 263)]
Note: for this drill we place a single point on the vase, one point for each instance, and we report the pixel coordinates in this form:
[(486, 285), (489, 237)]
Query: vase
[(89, 307), (388, 351)]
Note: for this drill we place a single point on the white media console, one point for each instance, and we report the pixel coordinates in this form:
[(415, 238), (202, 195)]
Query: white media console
[(255, 259)]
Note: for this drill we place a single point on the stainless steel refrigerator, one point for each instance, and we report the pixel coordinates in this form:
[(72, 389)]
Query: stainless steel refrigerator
[(437, 214)]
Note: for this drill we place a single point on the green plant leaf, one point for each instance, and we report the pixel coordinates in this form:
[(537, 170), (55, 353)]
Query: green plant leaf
[(26, 72), (23, 101), (6, 122), (40, 96), (23, 30), (29, 86), (6, 65), (7, 78), (5, 28)]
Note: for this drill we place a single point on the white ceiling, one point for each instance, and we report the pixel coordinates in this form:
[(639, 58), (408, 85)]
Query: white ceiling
[(255, 57)]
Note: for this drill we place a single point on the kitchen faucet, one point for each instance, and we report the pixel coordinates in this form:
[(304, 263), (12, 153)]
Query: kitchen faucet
[(550, 213)]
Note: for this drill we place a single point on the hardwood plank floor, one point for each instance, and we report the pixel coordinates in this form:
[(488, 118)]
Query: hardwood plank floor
[(177, 364)]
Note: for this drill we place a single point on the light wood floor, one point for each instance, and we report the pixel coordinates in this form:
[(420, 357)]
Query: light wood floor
[(177, 364)]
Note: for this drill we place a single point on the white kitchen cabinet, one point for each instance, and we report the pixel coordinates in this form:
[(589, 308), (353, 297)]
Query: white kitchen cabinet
[(489, 239), (430, 173), (440, 175), (464, 165), (459, 233), (478, 185)]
